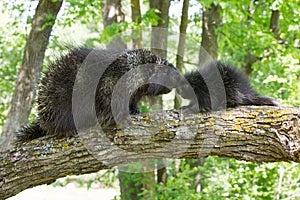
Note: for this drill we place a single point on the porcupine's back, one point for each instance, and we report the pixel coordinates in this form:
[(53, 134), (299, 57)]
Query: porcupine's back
[(55, 95), (55, 92)]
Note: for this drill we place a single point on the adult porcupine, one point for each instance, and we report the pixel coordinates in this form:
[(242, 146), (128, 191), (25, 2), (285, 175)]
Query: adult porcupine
[(55, 91), (219, 84)]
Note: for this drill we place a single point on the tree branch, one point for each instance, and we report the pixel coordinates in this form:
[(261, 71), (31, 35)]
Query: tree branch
[(256, 134)]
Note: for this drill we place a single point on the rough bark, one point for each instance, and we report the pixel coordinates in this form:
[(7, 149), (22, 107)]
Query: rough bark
[(112, 13), (211, 20), (256, 134), (181, 44), (31, 68), (136, 17)]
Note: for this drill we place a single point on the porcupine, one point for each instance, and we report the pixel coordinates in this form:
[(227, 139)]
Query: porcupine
[(221, 78), (54, 103)]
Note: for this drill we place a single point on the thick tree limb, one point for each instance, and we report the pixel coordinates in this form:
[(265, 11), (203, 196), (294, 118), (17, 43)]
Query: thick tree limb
[(256, 134)]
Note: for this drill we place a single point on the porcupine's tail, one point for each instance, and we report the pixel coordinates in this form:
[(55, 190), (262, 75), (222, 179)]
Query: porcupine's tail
[(30, 132)]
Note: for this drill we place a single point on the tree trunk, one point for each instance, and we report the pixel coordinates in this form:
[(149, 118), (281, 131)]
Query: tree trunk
[(129, 186), (136, 17), (251, 133), (211, 20), (274, 23), (274, 27), (159, 34), (250, 58), (159, 44), (112, 13), (31, 68), (181, 44)]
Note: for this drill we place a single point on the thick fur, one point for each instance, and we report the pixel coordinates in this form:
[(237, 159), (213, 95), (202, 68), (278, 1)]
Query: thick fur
[(222, 78), (55, 91)]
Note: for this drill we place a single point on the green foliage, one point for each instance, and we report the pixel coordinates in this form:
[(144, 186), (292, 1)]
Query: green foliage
[(113, 30), (12, 42), (150, 17), (116, 29), (85, 11), (239, 180), (104, 178), (246, 29), (144, 107), (223, 178), (178, 186), (50, 21)]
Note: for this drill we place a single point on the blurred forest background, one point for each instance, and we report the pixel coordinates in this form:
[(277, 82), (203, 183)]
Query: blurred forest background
[(260, 37)]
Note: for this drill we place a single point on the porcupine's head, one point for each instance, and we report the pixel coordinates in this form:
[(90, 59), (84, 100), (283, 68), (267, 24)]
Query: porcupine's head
[(143, 73)]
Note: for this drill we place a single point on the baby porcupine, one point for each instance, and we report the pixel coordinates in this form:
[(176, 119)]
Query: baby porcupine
[(55, 115), (219, 84)]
